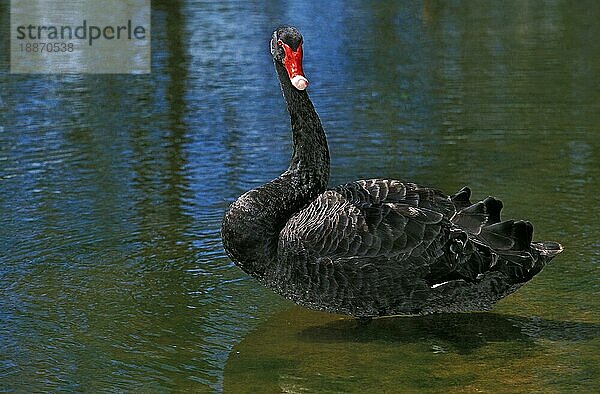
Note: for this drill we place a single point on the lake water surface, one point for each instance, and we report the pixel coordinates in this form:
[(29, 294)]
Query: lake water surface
[(112, 189)]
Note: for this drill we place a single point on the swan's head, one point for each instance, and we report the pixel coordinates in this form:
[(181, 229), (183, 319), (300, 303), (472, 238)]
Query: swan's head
[(286, 48)]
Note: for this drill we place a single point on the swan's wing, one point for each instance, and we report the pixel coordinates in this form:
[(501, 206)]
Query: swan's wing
[(406, 227), (365, 248), (369, 219), (374, 246)]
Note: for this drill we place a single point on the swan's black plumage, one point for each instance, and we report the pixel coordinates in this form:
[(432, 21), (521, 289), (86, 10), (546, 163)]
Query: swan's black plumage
[(372, 247)]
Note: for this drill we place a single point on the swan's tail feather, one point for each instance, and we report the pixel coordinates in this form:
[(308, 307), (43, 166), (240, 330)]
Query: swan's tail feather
[(547, 249), (508, 235), (518, 257), (509, 242), (473, 217), (493, 207), (461, 198)]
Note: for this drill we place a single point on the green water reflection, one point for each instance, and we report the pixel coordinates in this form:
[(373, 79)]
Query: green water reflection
[(296, 351), (112, 189)]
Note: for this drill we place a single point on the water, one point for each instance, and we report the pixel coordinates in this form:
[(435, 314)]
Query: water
[(112, 188)]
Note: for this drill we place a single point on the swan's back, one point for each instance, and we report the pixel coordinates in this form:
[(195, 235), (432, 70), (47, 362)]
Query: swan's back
[(381, 247)]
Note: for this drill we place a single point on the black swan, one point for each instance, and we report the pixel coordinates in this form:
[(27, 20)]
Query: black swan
[(372, 247)]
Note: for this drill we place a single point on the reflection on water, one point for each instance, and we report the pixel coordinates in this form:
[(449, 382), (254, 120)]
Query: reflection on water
[(112, 188), (308, 351)]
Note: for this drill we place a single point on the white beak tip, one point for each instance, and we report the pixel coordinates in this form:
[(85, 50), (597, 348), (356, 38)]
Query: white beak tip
[(299, 82)]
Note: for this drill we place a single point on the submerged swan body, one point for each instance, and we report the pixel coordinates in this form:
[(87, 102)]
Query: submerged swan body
[(372, 247)]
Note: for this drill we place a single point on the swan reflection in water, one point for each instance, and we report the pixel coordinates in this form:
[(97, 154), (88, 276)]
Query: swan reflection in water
[(465, 332), (307, 349)]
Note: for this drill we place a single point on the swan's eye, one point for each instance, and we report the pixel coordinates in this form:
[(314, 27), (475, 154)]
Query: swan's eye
[(279, 43)]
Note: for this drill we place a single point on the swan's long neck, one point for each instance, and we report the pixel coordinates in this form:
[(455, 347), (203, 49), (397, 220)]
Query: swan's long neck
[(251, 226), (311, 154)]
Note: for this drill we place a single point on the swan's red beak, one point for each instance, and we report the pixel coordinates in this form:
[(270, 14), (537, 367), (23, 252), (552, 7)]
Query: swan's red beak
[(293, 65)]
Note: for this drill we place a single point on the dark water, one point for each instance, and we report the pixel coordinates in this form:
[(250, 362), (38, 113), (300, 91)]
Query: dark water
[(112, 188)]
